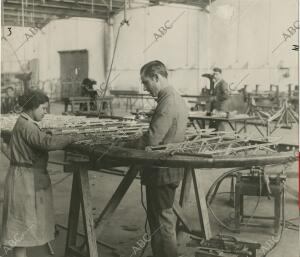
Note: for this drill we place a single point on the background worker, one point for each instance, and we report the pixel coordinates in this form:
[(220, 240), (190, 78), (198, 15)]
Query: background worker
[(9, 101), (220, 95), (88, 90)]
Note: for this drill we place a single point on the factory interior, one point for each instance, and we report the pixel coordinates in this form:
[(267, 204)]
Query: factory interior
[(182, 118)]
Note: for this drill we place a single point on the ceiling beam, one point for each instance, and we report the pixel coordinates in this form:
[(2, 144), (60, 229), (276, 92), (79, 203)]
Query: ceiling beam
[(78, 8), (61, 13), (61, 4)]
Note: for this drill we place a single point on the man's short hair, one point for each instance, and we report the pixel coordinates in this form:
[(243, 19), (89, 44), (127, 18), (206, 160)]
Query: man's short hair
[(216, 69), (154, 67)]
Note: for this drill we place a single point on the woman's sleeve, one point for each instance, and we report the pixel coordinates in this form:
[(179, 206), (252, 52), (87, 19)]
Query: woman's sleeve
[(40, 140)]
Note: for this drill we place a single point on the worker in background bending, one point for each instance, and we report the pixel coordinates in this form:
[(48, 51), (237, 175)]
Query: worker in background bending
[(168, 125), (88, 90), (220, 95), (9, 101)]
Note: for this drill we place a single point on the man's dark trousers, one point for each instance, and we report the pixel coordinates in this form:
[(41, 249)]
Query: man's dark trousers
[(162, 220)]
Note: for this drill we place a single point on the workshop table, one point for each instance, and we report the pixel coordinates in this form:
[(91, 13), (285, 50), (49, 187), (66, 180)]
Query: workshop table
[(104, 156), (101, 104), (132, 98), (100, 156), (199, 121)]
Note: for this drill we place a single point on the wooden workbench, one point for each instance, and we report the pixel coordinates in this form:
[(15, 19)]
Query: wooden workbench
[(132, 97), (87, 101), (199, 120), (101, 156)]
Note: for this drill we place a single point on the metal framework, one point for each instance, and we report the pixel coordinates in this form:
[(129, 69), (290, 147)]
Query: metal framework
[(273, 118)]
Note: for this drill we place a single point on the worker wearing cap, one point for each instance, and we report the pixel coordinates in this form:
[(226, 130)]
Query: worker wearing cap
[(168, 125), (220, 95)]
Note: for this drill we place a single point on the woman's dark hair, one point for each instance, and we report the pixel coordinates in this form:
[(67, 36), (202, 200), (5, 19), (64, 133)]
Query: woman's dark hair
[(32, 99)]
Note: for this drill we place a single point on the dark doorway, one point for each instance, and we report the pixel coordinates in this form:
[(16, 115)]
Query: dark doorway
[(73, 69)]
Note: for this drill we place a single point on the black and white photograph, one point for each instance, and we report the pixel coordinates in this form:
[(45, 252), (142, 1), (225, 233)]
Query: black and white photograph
[(149, 128)]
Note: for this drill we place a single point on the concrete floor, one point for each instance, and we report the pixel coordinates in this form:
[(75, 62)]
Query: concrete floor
[(126, 227)]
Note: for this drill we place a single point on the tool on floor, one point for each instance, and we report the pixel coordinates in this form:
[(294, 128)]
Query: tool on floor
[(226, 246)]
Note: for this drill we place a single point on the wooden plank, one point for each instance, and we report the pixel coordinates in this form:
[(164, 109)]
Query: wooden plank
[(87, 215), (202, 207), (116, 198), (185, 188), (119, 156), (125, 156), (73, 213)]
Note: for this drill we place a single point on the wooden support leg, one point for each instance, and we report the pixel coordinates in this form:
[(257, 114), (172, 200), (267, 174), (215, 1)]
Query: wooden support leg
[(196, 125), (87, 213), (73, 215), (81, 196), (202, 207), (116, 198)]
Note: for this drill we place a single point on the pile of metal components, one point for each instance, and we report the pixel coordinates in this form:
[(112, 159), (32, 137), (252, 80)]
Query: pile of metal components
[(226, 246)]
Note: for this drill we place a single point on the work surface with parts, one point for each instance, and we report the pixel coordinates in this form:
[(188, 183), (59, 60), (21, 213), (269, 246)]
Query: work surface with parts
[(106, 139)]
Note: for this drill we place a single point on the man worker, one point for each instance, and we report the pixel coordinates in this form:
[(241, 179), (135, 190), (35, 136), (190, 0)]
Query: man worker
[(220, 95), (88, 90), (9, 101), (168, 125)]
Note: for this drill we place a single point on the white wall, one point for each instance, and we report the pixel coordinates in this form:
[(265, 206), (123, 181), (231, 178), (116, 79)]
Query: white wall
[(250, 36), (68, 35), (177, 48), (58, 35), (230, 37), (196, 41)]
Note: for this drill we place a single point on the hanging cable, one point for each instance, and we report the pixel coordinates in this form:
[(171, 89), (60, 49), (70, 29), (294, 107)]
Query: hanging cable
[(15, 54), (211, 189), (112, 61), (282, 226), (146, 222), (124, 21)]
